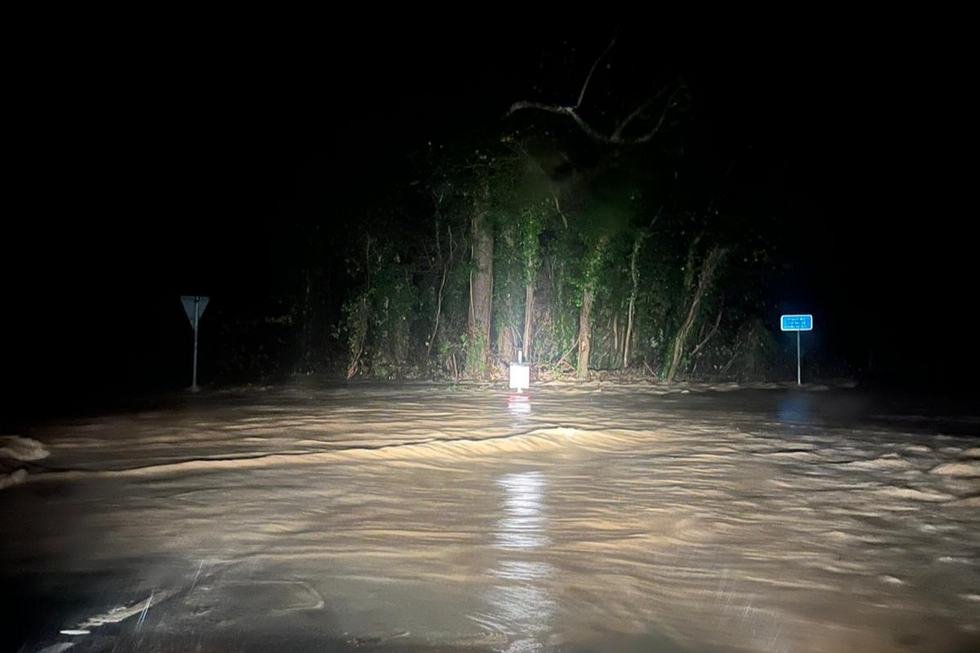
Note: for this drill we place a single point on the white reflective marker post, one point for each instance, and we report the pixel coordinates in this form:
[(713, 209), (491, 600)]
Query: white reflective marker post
[(194, 307), (520, 374), (796, 323)]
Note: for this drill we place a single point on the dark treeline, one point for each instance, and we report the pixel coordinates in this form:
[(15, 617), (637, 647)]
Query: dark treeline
[(605, 220), (597, 197)]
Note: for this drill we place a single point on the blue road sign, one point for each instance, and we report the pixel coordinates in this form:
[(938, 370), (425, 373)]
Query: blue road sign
[(796, 323)]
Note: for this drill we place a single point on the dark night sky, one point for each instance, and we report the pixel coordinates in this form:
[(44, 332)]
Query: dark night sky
[(146, 170)]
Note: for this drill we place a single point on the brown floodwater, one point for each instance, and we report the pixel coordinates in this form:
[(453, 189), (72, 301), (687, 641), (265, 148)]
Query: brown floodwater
[(416, 517)]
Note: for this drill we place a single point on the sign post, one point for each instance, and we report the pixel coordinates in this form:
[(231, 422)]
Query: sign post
[(194, 307), (796, 323), (520, 374)]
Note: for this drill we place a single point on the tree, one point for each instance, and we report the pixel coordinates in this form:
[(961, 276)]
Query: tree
[(533, 220), (481, 289), (543, 239), (710, 266), (594, 261)]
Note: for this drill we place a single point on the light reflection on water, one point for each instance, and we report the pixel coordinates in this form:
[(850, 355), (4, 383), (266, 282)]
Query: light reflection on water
[(795, 408), (519, 407), (519, 605), (522, 526)]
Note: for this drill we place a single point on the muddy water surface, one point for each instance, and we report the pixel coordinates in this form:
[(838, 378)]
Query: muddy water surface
[(418, 518)]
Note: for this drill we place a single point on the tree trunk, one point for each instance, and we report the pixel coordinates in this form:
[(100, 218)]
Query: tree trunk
[(435, 327), (446, 262), (708, 270), (358, 337), (614, 327), (585, 333), (528, 320), (481, 291), (506, 338), (506, 303), (634, 289)]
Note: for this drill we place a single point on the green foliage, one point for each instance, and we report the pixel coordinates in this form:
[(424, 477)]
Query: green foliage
[(378, 317), (531, 224), (393, 311), (476, 364), (630, 222), (353, 327), (561, 227)]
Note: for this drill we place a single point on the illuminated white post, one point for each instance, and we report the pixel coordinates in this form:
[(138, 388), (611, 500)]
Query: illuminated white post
[(520, 374)]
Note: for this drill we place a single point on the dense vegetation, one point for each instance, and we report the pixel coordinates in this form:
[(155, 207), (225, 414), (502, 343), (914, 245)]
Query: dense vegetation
[(599, 235), (587, 246)]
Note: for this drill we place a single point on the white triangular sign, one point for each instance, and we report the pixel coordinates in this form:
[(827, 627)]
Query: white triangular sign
[(188, 301)]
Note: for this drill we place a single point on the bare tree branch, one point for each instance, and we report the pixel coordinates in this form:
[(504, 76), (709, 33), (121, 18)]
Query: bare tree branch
[(618, 132), (581, 95), (647, 136), (558, 207), (571, 112), (617, 136)]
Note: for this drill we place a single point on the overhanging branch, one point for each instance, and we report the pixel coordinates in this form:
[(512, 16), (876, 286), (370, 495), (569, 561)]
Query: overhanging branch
[(570, 112), (595, 63), (617, 137)]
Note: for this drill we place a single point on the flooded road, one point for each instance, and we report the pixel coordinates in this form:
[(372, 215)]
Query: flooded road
[(412, 518)]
